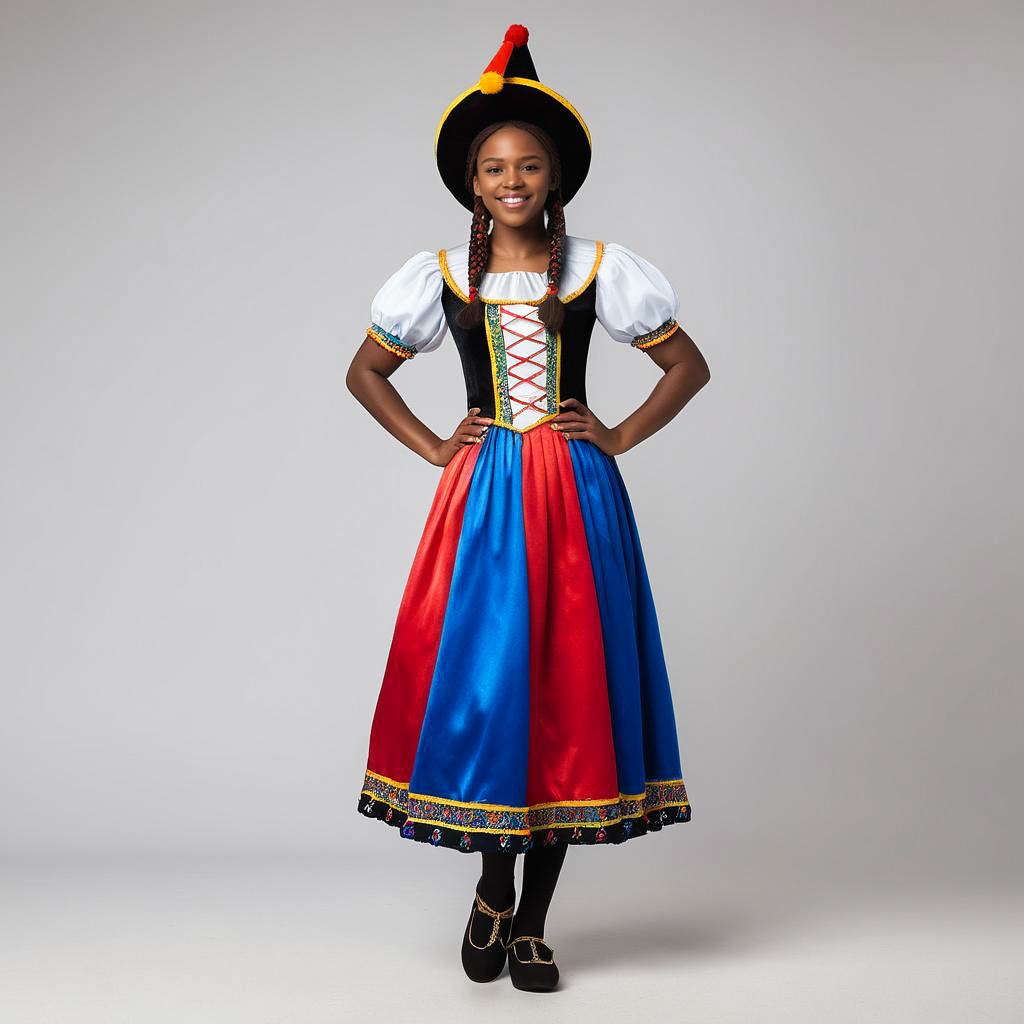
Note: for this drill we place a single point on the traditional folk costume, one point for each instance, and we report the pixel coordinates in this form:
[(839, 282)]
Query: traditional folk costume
[(525, 699)]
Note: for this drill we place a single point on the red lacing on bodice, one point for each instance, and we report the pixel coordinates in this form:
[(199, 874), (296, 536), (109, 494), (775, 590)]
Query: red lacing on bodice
[(518, 364)]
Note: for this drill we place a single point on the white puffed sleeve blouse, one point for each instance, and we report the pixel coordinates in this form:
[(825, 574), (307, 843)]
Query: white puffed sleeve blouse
[(636, 303), (406, 316)]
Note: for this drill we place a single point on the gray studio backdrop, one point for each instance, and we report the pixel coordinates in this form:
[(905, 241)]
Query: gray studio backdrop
[(205, 539)]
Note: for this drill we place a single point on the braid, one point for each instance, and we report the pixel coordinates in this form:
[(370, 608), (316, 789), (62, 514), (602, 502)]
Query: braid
[(551, 311), (472, 313)]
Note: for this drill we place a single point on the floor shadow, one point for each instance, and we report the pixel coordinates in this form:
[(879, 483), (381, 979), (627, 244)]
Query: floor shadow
[(709, 933)]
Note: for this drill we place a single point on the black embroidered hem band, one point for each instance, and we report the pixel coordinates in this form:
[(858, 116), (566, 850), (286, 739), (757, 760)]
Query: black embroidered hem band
[(596, 824)]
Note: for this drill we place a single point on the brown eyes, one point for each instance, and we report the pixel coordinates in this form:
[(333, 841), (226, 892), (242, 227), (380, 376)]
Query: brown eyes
[(526, 167)]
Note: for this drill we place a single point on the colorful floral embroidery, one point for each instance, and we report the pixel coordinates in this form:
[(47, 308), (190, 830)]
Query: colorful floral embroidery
[(618, 831), (498, 363), (655, 336), (390, 342), (650, 805), (553, 371), (386, 790)]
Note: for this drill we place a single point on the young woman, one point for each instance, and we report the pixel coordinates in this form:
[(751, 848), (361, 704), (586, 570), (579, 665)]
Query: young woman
[(525, 705)]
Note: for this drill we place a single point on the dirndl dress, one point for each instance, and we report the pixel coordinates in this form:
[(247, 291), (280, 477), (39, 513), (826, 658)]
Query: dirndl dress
[(525, 699)]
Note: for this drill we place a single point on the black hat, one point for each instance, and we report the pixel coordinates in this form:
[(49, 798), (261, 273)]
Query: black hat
[(507, 90)]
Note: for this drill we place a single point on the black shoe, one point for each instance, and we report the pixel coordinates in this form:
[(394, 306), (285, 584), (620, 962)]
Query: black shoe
[(531, 964), (483, 954)]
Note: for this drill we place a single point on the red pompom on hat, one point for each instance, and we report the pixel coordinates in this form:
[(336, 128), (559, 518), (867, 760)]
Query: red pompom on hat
[(493, 78), (517, 35)]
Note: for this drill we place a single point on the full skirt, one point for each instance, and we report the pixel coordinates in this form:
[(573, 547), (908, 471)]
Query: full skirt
[(526, 699)]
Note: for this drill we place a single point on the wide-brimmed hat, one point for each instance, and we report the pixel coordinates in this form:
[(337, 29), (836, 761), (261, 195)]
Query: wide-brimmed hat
[(507, 90)]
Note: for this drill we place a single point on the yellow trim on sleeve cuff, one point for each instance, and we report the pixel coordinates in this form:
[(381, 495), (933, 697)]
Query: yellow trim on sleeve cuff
[(655, 337), (394, 345)]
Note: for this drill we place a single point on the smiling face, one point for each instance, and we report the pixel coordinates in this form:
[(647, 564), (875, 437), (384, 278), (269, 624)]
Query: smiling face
[(513, 176)]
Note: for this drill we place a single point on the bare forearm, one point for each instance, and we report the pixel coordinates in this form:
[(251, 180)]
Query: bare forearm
[(685, 372), (383, 402)]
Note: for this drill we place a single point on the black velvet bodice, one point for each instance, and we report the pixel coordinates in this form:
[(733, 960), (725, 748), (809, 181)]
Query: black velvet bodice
[(484, 359)]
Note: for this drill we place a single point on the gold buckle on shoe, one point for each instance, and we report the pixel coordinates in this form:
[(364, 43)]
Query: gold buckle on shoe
[(498, 915), (533, 940)]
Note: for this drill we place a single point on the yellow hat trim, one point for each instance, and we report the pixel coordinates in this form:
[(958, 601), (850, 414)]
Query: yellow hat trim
[(509, 81)]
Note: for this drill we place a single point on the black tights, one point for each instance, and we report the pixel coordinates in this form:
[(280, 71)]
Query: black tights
[(541, 867)]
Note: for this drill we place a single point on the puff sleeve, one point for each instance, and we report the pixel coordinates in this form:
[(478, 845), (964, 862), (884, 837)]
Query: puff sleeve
[(406, 316), (636, 303)]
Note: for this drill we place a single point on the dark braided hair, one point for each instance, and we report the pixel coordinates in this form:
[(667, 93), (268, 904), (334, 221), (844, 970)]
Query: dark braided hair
[(551, 311)]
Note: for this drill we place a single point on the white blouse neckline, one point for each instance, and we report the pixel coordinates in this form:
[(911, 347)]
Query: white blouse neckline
[(581, 259), (500, 284), (506, 273)]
